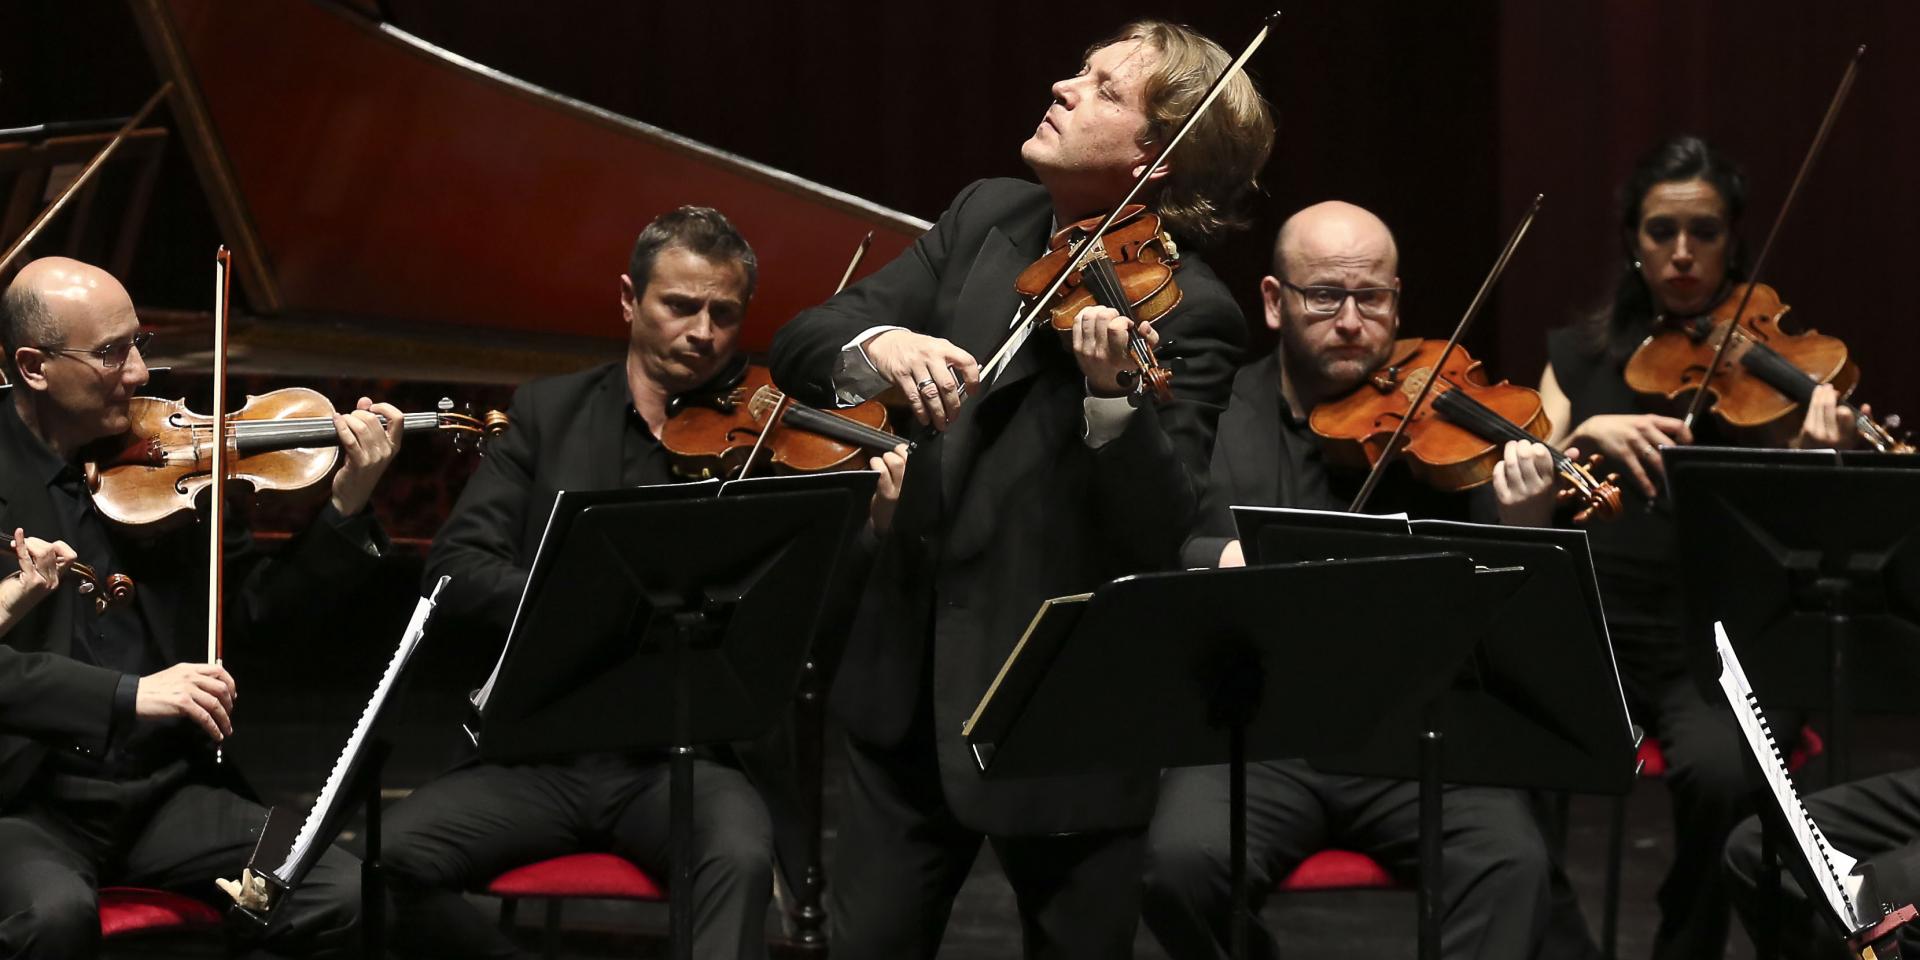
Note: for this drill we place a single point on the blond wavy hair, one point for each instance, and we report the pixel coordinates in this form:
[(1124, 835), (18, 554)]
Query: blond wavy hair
[(1199, 196)]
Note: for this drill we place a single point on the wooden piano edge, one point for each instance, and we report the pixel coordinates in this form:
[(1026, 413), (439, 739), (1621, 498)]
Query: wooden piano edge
[(331, 347)]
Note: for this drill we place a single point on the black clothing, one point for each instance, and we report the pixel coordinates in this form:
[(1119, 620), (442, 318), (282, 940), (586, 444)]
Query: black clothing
[(1267, 455), (1007, 508), (480, 821), (1876, 819), (1635, 557), (89, 794), (902, 858), (173, 830), (1495, 884), (573, 432)]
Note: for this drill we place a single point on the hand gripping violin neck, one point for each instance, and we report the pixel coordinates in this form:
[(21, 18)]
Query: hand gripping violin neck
[(1459, 434), (105, 591)]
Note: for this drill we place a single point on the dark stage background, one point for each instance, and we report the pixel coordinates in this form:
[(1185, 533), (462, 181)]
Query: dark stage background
[(1443, 118)]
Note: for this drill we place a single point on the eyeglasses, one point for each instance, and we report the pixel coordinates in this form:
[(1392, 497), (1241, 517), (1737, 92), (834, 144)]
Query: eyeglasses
[(1375, 303), (111, 356)]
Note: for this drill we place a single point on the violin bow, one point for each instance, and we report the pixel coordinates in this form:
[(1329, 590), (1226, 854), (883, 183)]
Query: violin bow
[(86, 175), (217, 476), (1025, 326), (1753, 279), (780, 406), (1459, 330)]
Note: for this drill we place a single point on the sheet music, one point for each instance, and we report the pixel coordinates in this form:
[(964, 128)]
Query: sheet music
[(486, 689), (329, 793), (1833, 870)]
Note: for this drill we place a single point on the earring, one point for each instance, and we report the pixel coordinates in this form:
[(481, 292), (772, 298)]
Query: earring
[(1636, 265)]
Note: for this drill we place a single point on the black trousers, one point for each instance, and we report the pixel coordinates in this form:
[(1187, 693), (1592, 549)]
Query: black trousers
[(902, 857), (1711, 792), (171, 832), (1495, 876), (1876, 819), (460, 831)]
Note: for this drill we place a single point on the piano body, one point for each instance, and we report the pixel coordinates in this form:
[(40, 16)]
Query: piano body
[(404, 219)]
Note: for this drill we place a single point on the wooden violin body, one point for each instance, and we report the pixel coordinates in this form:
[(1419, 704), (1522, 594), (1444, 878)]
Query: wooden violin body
[(1765, 377), (714, 433), (282, 441), (1457, 438), (1440, 452), (1130, 270)]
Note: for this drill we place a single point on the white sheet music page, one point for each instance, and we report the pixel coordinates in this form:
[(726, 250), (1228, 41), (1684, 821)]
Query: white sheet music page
[(330, 793), (1832, 869)]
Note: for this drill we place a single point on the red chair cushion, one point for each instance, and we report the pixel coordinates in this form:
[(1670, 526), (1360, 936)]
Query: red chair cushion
[(600, 876), (127, 910), (1337, 870), (1653, 763)]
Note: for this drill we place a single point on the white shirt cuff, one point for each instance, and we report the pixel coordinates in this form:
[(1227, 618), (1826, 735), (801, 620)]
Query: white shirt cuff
[(1106, 418), (854, 377)]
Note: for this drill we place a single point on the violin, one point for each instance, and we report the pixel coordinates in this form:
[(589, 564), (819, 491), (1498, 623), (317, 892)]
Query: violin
[(1081, 257), (1454, 441), (1130, 270), (282, 441), (105, 591), (747, 423), (1763, 378)]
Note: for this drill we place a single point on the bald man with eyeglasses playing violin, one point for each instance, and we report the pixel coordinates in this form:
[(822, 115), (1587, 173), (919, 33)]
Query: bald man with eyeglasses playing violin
[(105, 772), (1333, 298)]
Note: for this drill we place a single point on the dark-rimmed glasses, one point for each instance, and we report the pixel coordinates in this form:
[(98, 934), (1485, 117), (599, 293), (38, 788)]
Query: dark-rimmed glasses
[(1375, 303), (111, 356)]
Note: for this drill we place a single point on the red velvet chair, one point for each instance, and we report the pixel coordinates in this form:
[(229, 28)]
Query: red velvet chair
[(138, 911), (1653, 766), (577, 876), (1338, 870)]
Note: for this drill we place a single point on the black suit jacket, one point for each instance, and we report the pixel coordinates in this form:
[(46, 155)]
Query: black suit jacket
[(1249, 469), (48, 700), (1009, 507), (566, 435)]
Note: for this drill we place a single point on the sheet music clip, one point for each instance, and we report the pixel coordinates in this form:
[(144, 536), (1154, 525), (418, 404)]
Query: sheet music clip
[(258, 891)]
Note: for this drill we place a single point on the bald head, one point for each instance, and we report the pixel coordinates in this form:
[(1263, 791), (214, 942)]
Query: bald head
[(1333, 237), (52, 298)]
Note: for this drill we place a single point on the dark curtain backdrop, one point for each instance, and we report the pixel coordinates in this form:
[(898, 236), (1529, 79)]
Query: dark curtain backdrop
[(1443, 118)]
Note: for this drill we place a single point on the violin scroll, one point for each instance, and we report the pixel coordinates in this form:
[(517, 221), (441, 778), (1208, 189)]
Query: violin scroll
[(467, 427), (1597, 497)]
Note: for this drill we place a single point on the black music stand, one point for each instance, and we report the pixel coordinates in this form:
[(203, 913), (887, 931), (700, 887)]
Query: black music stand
[(1087, 689), (668, 618), (1538, 703), (1812, 560)]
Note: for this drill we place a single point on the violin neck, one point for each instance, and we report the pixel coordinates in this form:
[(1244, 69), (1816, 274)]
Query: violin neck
[(838, 428), (1777, 372), (1478, 419), (262, 436), (1105, 283)]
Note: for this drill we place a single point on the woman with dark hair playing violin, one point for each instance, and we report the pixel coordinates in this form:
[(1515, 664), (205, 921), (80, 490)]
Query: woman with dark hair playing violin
[(1679, 211)]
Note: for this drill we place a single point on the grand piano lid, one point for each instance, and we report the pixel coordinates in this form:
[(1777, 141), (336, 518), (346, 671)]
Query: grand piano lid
[(363, 174)]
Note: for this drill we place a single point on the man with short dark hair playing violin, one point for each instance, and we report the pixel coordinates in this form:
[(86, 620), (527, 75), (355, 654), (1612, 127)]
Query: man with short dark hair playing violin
[(104, 775), (1333, 297), (683, 298), (1040, 479)]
